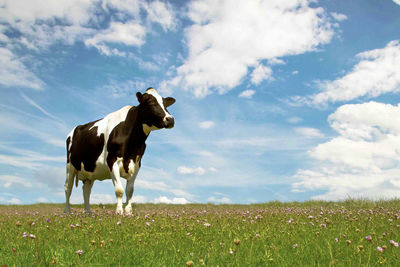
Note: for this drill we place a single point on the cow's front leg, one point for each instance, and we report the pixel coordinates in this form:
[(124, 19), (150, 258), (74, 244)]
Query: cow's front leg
[(87, 188), (119, 190)]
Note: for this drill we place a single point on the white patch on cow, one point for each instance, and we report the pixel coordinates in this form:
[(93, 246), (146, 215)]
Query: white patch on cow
[(154, 93)]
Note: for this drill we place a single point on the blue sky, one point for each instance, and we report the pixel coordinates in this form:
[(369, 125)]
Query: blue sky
[(276, 100)]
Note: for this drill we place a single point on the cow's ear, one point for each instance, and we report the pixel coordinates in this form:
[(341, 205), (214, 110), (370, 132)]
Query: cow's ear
[(168, 101), (139, 97)]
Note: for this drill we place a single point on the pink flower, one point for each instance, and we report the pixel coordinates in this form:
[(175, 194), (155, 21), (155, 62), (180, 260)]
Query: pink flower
[(395, 244), (323, 225), (290, 221), (79, 252), (336, 240), (32, 236), (368, 237), (207, 224), (118, 223), (48, 220), (24, 234), (379, 249), (72, 226), (147, 224), (295, 245)]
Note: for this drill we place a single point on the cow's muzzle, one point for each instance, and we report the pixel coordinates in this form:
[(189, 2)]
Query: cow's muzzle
[(169, 122)]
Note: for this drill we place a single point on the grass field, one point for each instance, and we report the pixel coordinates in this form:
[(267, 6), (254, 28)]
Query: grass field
[(350, 233)]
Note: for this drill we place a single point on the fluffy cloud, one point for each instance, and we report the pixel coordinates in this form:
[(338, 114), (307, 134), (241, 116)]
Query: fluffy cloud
[(397, 2), (247, 93), (206, 124), (363, 160), (261, 73), (175, 200), (228, 37), (376, 73), (188, 170)]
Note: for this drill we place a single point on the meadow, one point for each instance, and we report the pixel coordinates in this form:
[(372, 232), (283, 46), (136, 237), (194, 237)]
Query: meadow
[(349, 233)]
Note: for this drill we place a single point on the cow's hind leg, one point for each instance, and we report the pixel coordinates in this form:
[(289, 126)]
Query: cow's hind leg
[(87, 188), (129, 190), (69, 182), (119, 190)]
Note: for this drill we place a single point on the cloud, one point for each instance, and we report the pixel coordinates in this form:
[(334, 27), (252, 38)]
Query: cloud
[(309, 132), (375, 74), (188, 170), (9, 181), (161, 13), (130, 33), (247, 93), (363, 160), (14, 201), (223, 200), (175, 200), (397, 2), (229, 37), (206, 124), (13, 72), (261, 73), (338, 16)]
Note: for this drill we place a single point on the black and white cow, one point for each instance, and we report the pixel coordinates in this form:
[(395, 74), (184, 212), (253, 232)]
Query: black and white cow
[(112, 147)]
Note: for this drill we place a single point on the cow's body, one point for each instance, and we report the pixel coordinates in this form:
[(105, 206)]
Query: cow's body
[(112, 147)]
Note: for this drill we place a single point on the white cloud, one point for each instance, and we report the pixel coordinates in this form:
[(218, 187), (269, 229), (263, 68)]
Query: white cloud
[(375, 74), (223, 200), (188, 170), (247, 93), (42, 200), (14, 201), (230, 36), (397, 2), (139, 199), (338, 16), (261, 73), (309, 132), (175, 200), (124, 88), (161, 13), (206, 124), (130, 33), (295, 72), (294, 120), (14, 73), (363, 160), (9, 181)]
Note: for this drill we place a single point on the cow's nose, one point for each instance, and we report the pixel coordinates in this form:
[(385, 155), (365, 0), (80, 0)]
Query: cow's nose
[(169, 122)]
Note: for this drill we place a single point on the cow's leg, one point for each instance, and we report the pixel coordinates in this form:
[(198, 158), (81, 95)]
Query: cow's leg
[(119, 190), (87, 188), (129, 190), (69, 182)]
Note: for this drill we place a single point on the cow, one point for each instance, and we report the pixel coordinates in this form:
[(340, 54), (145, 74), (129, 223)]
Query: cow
[(112, 147)]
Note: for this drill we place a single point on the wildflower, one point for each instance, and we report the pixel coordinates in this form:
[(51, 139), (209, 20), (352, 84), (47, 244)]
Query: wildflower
[(368, 237), (18, 223), (379, 249), (310, 217), (360, 247), (72, 226), (395, 244), (93, 242), (189, 263), (290, 220), (295, 245), (384, 247), (79, 252), (207, 224), (147, 224), (348, 242), (222, 244), (48, 220), (24, 234), (187, 234), (336, 240), (32, 236), (201, 261), (236, 241), (357, 230), (323, 225), (118, 223), (230, 251), (257, 235)]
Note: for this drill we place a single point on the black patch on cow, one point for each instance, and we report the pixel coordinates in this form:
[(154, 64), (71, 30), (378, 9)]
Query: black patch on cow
[(151, 112), (127, 139), (86, 146), (68, 151)]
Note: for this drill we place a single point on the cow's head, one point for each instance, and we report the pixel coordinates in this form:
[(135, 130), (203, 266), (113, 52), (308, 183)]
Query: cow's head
[(154, 109)]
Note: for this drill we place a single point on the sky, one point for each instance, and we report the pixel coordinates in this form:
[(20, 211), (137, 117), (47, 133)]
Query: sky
[(275, 100)]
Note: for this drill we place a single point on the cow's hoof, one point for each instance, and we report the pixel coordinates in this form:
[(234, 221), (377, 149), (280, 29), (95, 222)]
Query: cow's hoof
[(128, 212), (119, 212)]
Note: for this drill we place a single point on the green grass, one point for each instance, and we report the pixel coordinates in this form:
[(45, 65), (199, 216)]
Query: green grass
[(270, 234)]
